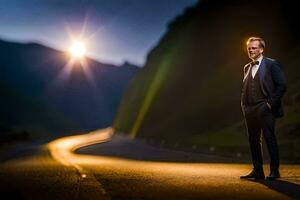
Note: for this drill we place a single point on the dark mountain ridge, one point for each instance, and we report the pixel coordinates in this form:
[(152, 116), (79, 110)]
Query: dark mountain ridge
[(42, 93)]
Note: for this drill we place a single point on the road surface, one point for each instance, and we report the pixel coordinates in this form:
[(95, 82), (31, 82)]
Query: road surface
[(94, 166)]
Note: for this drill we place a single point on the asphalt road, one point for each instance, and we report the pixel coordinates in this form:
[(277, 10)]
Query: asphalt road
[(126, 169)]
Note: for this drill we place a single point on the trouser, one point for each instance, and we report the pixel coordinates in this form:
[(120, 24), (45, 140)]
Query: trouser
[(260, 121)]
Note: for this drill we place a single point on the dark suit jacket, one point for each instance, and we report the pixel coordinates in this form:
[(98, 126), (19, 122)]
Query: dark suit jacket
[(272, 81)]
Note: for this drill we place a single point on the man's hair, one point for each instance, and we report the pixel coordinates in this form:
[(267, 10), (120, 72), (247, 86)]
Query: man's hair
[(261, 41)]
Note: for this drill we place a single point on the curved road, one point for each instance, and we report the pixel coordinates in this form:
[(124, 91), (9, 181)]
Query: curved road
[(56, 172)]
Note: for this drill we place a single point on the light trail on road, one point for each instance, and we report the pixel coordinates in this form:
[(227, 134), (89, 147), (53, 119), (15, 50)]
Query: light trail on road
[(62, 150), (128, 178)]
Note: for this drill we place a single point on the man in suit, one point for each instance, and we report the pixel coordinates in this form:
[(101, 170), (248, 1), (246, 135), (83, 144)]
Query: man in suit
[(263, 87)]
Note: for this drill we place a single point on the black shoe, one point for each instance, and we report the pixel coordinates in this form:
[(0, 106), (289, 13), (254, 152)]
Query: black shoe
[(274, 174), (254, 174)]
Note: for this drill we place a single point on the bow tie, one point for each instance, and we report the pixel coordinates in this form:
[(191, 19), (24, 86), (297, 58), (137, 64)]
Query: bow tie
[(254, 63)]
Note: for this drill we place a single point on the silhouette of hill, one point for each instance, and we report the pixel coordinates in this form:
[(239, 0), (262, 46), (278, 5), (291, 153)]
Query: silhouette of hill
[(41, 94), (188, 93)]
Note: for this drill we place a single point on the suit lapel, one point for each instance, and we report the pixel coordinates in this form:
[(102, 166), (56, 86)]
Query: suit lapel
[(246, 75), (262, 69), (262, 73)]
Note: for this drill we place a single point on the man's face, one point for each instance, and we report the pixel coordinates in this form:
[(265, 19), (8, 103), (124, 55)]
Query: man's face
[(254, 50)]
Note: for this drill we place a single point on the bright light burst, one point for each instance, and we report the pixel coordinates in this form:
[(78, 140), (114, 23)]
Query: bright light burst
[(78, 49)]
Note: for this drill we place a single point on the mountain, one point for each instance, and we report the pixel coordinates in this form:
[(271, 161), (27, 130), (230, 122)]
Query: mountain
[(188, 93), (43, 92)]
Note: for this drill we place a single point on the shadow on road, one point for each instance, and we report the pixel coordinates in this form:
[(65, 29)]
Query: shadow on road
[(288, 188)]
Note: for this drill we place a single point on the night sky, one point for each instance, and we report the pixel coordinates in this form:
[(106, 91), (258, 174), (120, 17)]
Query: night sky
[(115, 30)]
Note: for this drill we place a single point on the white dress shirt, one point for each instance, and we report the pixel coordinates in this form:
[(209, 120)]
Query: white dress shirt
[(255, 67)]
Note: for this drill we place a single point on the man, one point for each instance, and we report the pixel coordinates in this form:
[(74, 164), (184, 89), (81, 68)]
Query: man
[(263, 87)]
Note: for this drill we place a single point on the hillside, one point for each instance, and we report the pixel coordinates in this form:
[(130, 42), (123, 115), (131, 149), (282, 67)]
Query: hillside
[(41, 94), (188, 93)]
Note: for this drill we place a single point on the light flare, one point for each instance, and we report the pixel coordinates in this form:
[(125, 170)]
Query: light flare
[(77, 55), (78, 49)]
